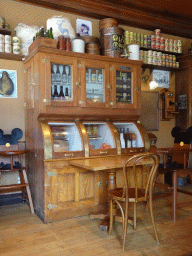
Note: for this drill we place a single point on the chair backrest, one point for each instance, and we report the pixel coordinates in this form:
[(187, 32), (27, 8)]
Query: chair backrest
[(141, 164)]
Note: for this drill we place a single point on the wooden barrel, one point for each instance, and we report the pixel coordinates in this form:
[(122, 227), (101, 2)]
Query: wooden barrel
[(107, 23), (112, 41), (92, 48)]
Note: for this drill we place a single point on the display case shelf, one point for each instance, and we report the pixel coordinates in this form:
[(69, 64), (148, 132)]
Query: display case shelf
[(157, 67), (157, 50), (11, 56)]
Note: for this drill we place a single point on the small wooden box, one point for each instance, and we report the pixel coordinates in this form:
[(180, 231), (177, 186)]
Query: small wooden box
[(44, 42)]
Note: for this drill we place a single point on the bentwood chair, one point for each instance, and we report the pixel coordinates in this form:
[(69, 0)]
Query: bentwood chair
[(133, 191)]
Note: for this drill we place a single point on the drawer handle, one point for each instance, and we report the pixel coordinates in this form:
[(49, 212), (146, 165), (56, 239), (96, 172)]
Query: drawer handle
[(69, 154), (103, 152)]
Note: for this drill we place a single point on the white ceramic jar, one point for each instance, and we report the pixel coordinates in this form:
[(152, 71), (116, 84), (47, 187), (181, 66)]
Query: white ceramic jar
[(78, 44)]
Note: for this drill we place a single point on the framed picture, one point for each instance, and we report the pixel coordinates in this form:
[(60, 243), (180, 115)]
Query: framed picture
[(161, 77), (84, 27), (8, 83)]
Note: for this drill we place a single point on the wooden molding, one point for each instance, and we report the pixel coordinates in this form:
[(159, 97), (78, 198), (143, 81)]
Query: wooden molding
[(127, 12)]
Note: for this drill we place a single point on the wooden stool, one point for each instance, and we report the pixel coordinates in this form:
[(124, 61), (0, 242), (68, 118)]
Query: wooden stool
[(22, 173)]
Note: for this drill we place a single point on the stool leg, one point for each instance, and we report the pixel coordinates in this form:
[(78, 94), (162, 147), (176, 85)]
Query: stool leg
[(22, 182), (28, 190), (174, 205)]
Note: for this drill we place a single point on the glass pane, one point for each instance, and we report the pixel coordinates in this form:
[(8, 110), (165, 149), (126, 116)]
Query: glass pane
[(130, 136), (100, 136), (61, 82), (123, 87), (66, 137), (95, 85)]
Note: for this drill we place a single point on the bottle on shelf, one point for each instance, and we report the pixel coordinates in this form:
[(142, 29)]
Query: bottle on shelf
[(50, 34), (55, 94), (122, 139), (61, 94), (66, 93)]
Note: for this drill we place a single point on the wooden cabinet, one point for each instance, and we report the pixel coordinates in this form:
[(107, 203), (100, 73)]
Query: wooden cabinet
[(92, 85), (183, 92), (99, 97)]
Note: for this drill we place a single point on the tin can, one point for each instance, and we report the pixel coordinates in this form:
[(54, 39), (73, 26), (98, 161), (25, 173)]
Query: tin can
[(131, 40), (175, 48), (145, 38), (153, 38), (149, 45), (170, 58), (167, 48), (167, 63), (8, 48), (141, 42), (2, 22), (179, 43), (150, 60), (170, 42), (138, 37), (150, 53), (177, 64), (145, 43), (2, 47), (16, 40), (163, 62), (126, 33), (174, 64), (170, 64), (61, 43), (157, 32), (157, 46), (158, 39), (162, 47), (166, 41), (16, 49), (68, 43), (7, 39), (163, 56), (153, 45), (166, 57), (2, 39), (179, 49), (170, 48), (174, 58), (175, 43), (141, 55), (162, 40), (134, 36)]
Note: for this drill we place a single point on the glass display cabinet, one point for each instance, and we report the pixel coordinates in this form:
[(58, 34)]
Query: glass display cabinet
[(131, 137), (101, 138)]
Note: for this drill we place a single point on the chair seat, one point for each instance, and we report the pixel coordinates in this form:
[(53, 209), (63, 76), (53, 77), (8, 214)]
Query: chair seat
[(118, 193)]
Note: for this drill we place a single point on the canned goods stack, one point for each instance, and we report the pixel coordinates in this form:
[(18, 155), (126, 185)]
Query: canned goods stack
[(2, 43), (158, 58), (5, 43), (16, 45)]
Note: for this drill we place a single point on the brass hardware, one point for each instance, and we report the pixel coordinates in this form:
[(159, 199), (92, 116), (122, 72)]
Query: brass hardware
[(51, 206), (69, 154), (109, 86), (46, 100), (50, 174), (78, 84), (103, 152), (44, 60), (138, 122), (112, 103)]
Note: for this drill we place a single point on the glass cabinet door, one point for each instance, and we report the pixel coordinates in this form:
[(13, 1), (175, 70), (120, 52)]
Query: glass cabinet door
[(94, 78), (125, 86), (130, 137), (67, 139), (60, 81), (101, 138)]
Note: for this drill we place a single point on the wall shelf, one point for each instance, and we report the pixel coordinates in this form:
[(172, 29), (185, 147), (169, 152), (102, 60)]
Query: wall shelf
[(11, 56), (157, 50), (5, 31)]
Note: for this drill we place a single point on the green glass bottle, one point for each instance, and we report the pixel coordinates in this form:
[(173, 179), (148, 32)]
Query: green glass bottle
[(51, 33)]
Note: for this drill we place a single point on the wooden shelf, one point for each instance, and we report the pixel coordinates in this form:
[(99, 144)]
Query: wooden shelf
[(11, 56), (5, 31), (150, 66), (166, 52)]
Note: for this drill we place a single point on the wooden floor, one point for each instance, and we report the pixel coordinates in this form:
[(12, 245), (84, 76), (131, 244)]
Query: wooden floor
[(22, 233)]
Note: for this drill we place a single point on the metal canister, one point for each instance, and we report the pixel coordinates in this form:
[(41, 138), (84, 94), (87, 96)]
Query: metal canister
[(163, 57), (7, 39), (166, 41), (162, 40), (177, 64), (158, 39), (145, 38), (166, 57), (138, 38), (179, 43), (16, 40), (162, 47), (167, 48), (145, 57), (145, 43), (179, 49), (174, 64), (141, 56), (150, 54), (135, 36), (2, 39), (150, 60), (8, 48), (154, 57), (174, 58), (157, 45), (167, 63), (157, 32), (16, 49), (170, 48), (2, 47), (159, 58)]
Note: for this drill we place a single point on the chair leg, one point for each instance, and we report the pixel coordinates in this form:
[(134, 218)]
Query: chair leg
[(125, 225), (152, 217), (28, 190), (111, 217), (135, 216)]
